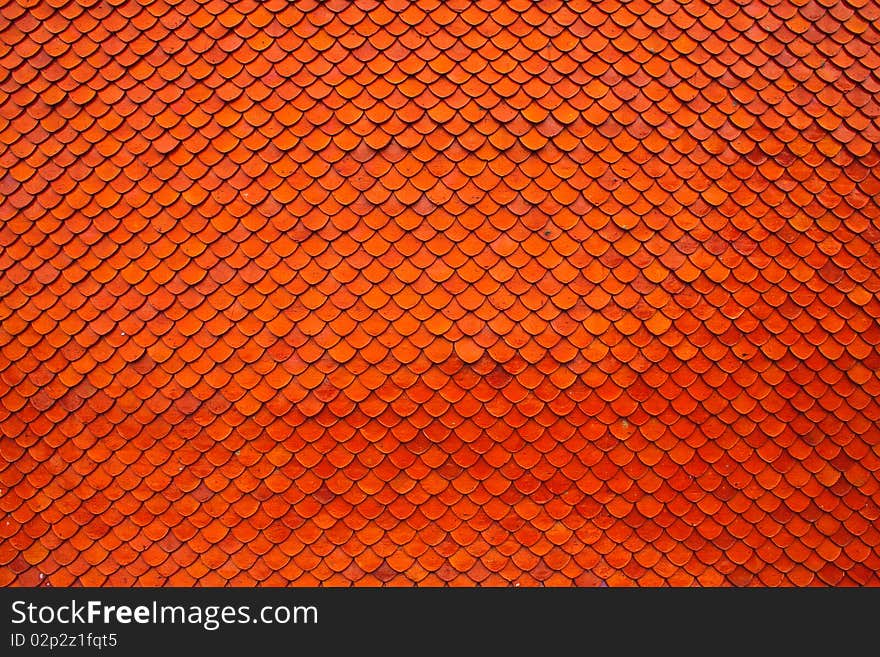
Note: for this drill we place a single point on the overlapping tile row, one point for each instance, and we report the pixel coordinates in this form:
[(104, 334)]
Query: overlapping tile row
[(467, 293)]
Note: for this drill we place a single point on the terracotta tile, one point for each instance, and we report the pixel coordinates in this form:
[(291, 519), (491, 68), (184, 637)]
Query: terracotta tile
[(593, 314)]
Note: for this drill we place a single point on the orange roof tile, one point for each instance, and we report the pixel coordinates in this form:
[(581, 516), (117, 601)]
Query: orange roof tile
[(440, 293)]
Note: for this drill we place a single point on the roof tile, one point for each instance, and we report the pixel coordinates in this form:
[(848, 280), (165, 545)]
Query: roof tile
[(465, 294)]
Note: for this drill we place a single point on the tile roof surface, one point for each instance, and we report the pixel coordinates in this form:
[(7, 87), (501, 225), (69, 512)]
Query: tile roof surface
[(299, 293)]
